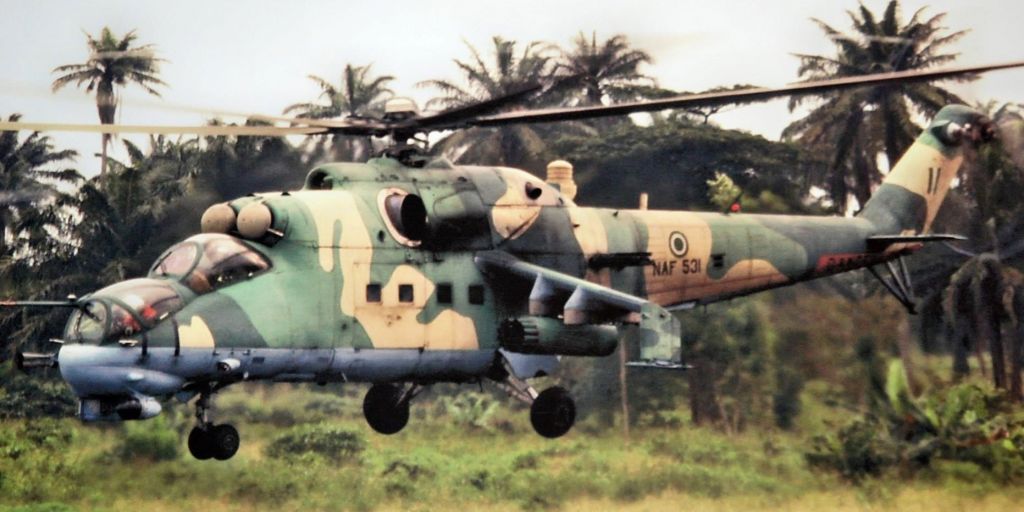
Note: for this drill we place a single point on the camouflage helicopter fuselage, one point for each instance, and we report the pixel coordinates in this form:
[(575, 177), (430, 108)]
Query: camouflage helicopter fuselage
[(379, 272)]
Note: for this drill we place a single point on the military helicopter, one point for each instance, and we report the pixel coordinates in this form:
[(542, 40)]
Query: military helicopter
[(406, 271)]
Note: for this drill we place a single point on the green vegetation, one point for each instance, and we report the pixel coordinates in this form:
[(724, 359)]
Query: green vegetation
[(336, 462)]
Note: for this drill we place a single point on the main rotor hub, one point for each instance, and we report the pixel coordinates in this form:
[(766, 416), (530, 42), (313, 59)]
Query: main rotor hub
[(398, 109)]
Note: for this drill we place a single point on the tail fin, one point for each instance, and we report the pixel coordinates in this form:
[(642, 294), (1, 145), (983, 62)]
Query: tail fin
[(910, 196)]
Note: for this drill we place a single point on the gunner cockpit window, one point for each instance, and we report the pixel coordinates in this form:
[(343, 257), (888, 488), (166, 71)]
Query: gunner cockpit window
[(88, 325), (209, 261), (122, 311)]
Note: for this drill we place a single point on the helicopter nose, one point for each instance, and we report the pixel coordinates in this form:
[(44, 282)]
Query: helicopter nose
[(103, 371)]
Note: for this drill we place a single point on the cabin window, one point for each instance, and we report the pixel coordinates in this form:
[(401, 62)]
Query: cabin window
[(476, 294), (373, 292), (405, 293), (444, 293), (718, 260)]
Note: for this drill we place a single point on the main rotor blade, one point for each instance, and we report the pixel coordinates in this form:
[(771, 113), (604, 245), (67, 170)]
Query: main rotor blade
[(7, 303), (728, 97), (164, 130), (455, 116)]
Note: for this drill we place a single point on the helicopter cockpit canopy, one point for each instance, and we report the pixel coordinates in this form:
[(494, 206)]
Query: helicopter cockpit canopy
[(209, 261), (122, 310)]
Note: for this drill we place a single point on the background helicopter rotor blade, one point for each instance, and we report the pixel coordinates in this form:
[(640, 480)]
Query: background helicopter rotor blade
[(216, 130), (733, 96)]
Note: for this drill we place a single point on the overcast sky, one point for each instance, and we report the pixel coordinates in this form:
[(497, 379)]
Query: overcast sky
[(254, 56)]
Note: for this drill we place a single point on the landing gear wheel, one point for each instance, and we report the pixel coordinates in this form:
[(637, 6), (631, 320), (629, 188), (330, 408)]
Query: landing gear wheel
[(385, 410), (224, 441), (199, 444), (553, 412)]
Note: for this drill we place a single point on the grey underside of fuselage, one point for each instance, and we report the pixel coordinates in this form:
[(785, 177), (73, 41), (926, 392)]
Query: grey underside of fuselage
[(102, 371)]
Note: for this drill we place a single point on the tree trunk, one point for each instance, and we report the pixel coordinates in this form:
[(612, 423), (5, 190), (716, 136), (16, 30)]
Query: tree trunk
[(3, 233), (704, 406), (1014, 339), (624, 390), (106, 105), (103, 155), (988, 329), (961, 351), (903, 343)]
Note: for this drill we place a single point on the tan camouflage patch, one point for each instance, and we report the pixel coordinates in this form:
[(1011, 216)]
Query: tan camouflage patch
[(925, 171), (513, 213), (668, 282), (330, 208), (195, 335), (393, 324), (755, 273)]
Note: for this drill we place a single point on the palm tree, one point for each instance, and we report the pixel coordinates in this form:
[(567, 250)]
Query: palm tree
[(357, 94), (854, 126), (983, 294), (112, 63), (24, 183), (509, 73), (607, 70), (987, 290)]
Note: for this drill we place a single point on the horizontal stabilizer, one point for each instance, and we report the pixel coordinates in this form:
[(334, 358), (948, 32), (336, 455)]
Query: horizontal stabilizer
[(658, 365), (880, 242)]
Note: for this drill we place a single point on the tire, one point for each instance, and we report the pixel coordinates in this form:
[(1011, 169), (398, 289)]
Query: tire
[(199, 444), (553, 412), (383, 411), (225, 441)]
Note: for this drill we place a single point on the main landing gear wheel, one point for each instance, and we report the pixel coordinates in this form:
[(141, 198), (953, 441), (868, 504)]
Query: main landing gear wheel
[(199, 444), (386, 408), (553, 412), (208, 441), (213, 442)]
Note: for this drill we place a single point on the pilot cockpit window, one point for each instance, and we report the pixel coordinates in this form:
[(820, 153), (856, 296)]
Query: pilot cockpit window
[(178, 261), (209, 261)]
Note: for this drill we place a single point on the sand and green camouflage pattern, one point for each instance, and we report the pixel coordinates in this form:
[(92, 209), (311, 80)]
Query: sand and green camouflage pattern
[(348, 277)]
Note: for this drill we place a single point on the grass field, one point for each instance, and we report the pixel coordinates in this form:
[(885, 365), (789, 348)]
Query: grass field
[(466, 455)]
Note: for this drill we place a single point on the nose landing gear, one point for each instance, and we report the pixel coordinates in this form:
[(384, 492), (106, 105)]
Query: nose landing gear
[(207, 440)]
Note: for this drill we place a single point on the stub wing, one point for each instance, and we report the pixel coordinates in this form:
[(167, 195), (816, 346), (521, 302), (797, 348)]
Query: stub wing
[(578, 303)]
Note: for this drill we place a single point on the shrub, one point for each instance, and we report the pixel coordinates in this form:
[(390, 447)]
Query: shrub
[(43, 507), (154, 439), (859, 449), (36, 436), (328, 441), (22, 396), (964, 423), (470, 409), (327, 405), (34, 465)]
